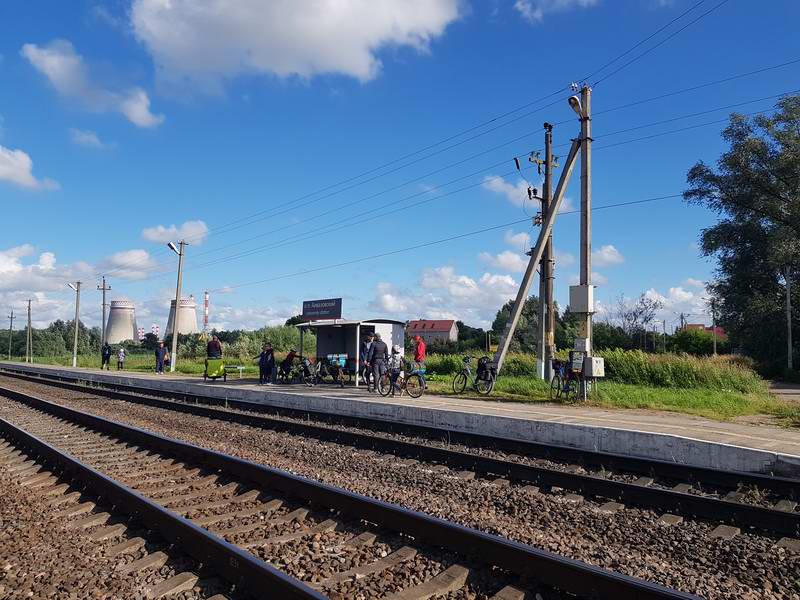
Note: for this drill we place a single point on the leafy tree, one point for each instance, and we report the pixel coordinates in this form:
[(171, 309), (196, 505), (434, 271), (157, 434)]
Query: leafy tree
[(607, 336), (525, 337), (294, 320), (697, 341), (755, 190)]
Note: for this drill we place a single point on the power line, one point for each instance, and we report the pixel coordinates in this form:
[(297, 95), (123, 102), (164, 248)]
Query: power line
[(414, 247), (666, 39)]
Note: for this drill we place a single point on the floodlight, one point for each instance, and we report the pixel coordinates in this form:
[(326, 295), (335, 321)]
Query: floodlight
[(575, 104), (172, 247), (74, 289)]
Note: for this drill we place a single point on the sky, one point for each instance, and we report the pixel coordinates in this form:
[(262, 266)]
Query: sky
[(362, 149)]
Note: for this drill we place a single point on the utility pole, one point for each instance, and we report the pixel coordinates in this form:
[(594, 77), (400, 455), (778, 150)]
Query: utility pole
[(10, 331), (789, 345), (174, 353), (714, 324), (29, 337), (664, 323), (77, 289), (548, 260), (104, 289), (586, 208)]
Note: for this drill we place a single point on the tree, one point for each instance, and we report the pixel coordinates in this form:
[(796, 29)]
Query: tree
[(525, 338), (607, 336), (755, 190), (295, 320), (635, 315)]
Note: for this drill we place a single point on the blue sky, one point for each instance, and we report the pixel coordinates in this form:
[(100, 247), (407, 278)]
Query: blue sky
[(129, 123)]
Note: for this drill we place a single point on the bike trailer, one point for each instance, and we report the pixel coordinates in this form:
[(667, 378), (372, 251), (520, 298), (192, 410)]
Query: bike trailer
[(215, 368)]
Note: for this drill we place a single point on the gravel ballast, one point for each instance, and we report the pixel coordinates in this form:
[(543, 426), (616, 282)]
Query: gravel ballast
[(630, 541)]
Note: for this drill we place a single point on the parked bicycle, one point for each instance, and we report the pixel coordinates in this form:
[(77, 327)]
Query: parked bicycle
[(335, 367), (482, 382), (408, 382), (566, 382), (301, 372)]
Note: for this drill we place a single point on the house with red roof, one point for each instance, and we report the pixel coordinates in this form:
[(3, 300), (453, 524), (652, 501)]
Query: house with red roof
[(433, 330)]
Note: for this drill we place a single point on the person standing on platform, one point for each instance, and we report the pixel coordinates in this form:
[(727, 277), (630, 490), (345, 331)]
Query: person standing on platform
[(121, 359), (363, 354), (377, 358), (105, 352), (214, 348), (161, 355), (419, 358), (266, 365)]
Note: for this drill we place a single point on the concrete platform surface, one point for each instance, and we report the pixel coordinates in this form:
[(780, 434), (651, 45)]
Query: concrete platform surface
[(647, 434)]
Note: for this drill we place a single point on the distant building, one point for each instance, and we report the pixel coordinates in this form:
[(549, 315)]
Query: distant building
[(433, 330), (721, 335)]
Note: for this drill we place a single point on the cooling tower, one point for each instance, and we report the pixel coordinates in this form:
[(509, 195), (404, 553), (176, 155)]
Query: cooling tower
[(121, 324), (187, 316)]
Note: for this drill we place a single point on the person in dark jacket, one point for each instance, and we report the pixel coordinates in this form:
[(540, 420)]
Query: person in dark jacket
[(214, 348), (105, 352), (377, 358), (363, 353), (161, 355), (266, 365)]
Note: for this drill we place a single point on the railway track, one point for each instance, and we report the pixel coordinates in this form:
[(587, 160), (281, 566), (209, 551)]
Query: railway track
[(265, 530), (741, 500)]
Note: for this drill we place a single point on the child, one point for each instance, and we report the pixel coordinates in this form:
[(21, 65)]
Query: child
[(121, 359), (395, 366)]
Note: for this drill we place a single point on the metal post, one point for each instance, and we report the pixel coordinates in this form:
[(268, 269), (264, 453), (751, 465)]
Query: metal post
[(664, 323), (586, 204), (29, 338), (358, 352), (789, 345), (548, 258), (714, 325), (77, 320), (10, 332), (174, 352), (536, 256), (103, 289)]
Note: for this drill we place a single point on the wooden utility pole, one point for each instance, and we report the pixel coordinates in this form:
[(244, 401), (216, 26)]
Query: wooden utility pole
[(789, 345), (10, 331), (29, 338), (103, 288)]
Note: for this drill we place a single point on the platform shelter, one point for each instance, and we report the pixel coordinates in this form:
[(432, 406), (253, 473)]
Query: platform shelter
[(344, 336)]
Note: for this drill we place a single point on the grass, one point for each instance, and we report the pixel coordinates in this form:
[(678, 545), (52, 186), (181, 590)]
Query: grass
[(721, 388)]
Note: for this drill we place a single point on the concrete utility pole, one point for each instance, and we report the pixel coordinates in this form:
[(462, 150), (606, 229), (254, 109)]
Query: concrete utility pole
[(174, 352), (29, 337), (103, 288), (77, 288), (586, 205), (536, 257), (10, 331), (548, 260), (789, 346)]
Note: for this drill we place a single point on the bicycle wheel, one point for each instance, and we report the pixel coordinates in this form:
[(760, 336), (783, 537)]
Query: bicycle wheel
[(459, 383), (572, 390), (385, 385), (414, 386), (556, 385), (485, 386)]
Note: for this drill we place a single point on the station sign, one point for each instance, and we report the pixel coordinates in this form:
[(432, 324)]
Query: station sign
[(315, 310)]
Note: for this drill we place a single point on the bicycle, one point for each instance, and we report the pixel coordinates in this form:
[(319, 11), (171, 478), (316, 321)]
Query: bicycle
[(482, 382), (566, 382), (411, 384), (302, 372)]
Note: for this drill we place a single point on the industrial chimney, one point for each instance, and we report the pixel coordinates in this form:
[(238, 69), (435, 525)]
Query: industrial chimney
[(187, 316), (121, 324)]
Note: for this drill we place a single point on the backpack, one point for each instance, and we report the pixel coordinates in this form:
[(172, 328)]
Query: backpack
[(483, 368)]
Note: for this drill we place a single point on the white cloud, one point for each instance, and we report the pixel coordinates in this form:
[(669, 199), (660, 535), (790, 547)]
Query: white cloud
[(520, 241), (607, 255), (129, 264), (194, 232), (223, 316), (67, 72), (505, 261), (17, 167), (598, 279), (563, 259), (691, 281), (535, 10), (45, 274), (206, 42), (517, 193), (87, 138), (444, 294)]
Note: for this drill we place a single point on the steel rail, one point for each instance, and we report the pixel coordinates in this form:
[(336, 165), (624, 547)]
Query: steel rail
[(230, 562), (783, 486), (684, 503), (563, 573)]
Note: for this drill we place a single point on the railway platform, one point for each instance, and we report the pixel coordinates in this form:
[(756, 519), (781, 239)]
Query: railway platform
[(685, 439)]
